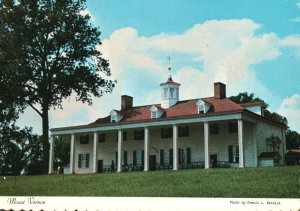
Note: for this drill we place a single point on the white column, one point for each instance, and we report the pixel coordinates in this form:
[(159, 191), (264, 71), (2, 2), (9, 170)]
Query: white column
[(95, 152), (206, 139), (146, 149), (72, 160), (120, 150), (240, 138), (51, 155), (175, 148)]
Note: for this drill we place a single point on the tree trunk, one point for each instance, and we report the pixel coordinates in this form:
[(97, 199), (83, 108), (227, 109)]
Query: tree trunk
[(45, 142)]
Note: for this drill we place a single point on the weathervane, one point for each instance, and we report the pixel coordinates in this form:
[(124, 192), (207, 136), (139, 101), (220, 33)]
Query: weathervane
[(169, 67)]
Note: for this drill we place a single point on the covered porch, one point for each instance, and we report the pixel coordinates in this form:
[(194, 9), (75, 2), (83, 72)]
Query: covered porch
[(169, 145)]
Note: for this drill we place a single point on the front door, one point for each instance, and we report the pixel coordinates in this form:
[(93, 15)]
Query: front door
[(214, 161), (100, 166), (152, 162)]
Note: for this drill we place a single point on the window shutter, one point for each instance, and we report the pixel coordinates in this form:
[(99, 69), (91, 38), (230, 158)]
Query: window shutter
[(161, 133), (189, 155), (79, 160), (161, 157), (87, 160), (124, 135), (170, 132), (125, 157), (230, 155), (116, 158), (143, 157), (179, 156), (134, 158), (171, 157)]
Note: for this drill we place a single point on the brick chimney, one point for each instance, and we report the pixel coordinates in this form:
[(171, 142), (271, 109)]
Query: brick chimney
[(219, 90), (126, 102)]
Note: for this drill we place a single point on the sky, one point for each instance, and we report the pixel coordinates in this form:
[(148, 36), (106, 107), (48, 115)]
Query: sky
[(251, 46)]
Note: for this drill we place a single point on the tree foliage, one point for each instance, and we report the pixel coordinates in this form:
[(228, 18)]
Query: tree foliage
[(245, 97), (62, 150), (19, 149), (48, 50), (292, 140)]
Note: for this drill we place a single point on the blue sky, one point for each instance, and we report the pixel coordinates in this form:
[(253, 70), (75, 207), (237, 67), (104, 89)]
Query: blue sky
[(251, 46)]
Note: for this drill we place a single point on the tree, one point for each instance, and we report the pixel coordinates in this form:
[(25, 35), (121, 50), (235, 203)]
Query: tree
[(17, 147), (48, 49), (249, 98), (61, 151), (244, 97), (292, 140)]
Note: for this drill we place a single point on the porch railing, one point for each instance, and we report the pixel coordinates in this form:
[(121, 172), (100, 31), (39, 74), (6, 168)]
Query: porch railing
[(192, 165)]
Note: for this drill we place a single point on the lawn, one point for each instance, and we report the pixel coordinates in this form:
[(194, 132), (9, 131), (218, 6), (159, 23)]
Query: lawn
[(277, 182)]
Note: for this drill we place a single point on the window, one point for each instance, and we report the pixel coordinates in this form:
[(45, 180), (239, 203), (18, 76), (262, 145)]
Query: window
[(165, 93), (113, 118), (153, 114), (84, 139), (166, 156), (101, 138), (183, 131), (177, 93), (166, 133), (201, 109), (138, 157), (232, 127), (184, 156), (172, 92), (139, 135), (83, 160), (214, 129), (124, 136), (233, 153)]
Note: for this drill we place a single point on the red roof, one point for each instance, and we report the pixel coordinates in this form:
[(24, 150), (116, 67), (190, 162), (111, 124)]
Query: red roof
[(251, 104), (170, 81), (180, 109)]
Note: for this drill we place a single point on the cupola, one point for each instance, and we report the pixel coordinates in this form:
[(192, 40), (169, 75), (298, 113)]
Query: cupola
[(169, 91)]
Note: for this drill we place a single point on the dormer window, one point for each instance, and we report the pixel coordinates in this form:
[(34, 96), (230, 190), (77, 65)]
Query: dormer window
[(201, 109), (155, 112), (202, 106), (115, 116)]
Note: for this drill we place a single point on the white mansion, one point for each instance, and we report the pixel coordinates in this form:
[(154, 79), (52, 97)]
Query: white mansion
[(198, 133)]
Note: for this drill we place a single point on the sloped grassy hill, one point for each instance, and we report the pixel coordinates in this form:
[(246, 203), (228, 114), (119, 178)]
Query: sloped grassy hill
[(277, 182)]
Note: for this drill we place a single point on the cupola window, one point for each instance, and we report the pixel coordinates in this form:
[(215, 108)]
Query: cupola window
[(171, 92)]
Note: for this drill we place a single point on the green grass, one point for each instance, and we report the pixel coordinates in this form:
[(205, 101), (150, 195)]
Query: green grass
[(277, 182)]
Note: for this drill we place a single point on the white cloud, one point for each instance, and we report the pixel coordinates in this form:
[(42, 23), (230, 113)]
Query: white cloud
[(297, 19), (224, 50), (291, 41), (298, 4), (290, 108)]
